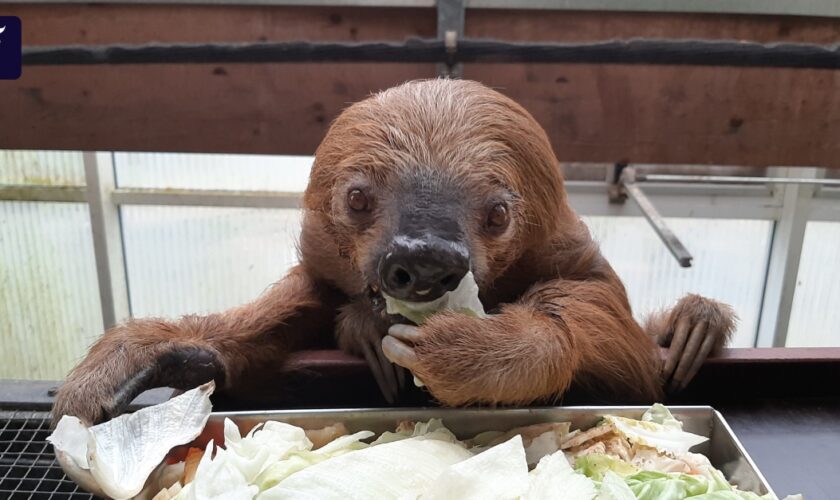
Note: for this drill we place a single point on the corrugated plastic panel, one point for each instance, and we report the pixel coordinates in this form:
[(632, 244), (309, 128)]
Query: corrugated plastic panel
[(43, 168), (212, 171), (49, 299), (730, 261), (815, 318), (202, 259)]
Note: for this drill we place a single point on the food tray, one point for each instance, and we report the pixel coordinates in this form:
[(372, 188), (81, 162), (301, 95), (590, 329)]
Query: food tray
[(723, 448)]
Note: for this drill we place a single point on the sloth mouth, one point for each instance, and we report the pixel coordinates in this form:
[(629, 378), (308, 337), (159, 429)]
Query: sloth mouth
[(377, 302)]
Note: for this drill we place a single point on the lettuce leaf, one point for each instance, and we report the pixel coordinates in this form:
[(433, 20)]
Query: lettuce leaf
[(613, 487), (499, 473), (218, 478), (385, 471), (463, 299), (596, 466), (433, 429), (660, 414), (554, 478), (664, 437)]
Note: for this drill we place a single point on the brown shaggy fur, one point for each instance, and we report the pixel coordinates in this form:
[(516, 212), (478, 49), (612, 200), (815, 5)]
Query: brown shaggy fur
[(561, 315)]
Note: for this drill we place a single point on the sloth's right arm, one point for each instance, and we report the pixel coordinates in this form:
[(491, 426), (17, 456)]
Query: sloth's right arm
[(145, 353)]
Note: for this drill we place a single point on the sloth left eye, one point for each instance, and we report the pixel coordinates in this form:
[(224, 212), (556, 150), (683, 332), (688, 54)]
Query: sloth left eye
[(499, 217), (357, 200)]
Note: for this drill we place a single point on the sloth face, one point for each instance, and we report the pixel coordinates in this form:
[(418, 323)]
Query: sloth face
[(420, 184)]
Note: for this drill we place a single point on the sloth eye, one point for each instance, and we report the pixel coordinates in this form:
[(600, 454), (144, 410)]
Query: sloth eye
[(358, 200), (499, 217)]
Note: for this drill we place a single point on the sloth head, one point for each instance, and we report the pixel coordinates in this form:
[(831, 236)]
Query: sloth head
[(419, 184)]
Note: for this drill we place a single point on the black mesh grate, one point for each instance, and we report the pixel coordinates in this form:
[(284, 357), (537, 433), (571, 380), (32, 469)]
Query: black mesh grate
[(28, 468)]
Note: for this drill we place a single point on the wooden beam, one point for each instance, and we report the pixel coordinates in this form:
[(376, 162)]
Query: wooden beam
[(606, 113)]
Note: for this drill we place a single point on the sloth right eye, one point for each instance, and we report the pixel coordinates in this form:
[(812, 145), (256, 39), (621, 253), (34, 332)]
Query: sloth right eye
[(357, 200)]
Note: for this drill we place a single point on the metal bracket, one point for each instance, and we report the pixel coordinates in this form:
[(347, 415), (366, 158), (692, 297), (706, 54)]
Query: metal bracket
[(450, 29), (627, 187), (616, 192)]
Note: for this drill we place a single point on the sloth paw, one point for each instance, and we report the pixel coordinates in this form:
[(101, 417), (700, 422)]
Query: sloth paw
[(696, 327), (95, 393)]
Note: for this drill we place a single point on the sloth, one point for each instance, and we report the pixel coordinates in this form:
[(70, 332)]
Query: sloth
[(410, 190)]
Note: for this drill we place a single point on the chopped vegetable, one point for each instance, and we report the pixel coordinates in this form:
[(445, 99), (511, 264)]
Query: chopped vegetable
[(191, 464), (598, 466), (613, 487), (118, 456), (463, 299), (500, 473), (554, 478), (618, 459), (665, 438), (386, 471)]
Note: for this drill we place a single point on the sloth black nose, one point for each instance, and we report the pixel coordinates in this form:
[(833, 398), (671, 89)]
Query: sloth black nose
[(420, 270)]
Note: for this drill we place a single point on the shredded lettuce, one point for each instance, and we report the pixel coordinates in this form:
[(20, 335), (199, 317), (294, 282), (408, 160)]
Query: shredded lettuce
[(425, 461)]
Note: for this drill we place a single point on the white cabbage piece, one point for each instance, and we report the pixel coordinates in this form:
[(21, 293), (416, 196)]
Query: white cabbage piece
[(299, 460), (71, 437), (500, 473), (539, 440), (263, 446), (385, 471), (269, 453), (664, 437), (433, 429), (218, 478), (463, 299), (660, 414), (554, 478), (123, 452), (613, 487)]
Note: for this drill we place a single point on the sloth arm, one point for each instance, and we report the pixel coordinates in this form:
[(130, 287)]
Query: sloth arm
[(228, 347), (558, 334)]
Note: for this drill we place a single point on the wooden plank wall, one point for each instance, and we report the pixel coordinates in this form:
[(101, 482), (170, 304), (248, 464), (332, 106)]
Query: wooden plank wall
[(593, 113)]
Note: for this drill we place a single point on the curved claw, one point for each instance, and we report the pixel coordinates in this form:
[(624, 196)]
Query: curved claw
[(677, 344), (700, 352), (383, 372), (686, 357), (399, 352), (406, 333)]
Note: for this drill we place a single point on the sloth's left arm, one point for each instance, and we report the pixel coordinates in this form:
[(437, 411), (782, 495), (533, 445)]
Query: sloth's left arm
[(559, 333)]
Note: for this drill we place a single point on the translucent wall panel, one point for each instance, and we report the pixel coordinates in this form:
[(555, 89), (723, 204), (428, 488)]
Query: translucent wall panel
[(52, 168), (49, 300), (201, 259), (730, 261), (212, 171), (815, 318)]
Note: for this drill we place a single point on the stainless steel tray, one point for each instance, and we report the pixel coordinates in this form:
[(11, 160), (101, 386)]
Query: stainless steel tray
[(723, 448)]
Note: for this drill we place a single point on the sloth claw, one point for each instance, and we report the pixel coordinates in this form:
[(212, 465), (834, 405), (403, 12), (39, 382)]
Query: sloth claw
[(387, 376)]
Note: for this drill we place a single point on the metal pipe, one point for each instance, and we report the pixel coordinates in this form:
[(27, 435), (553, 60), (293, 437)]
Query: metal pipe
[(662, 230), (634, 51), (206, 198), (724, 179)]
